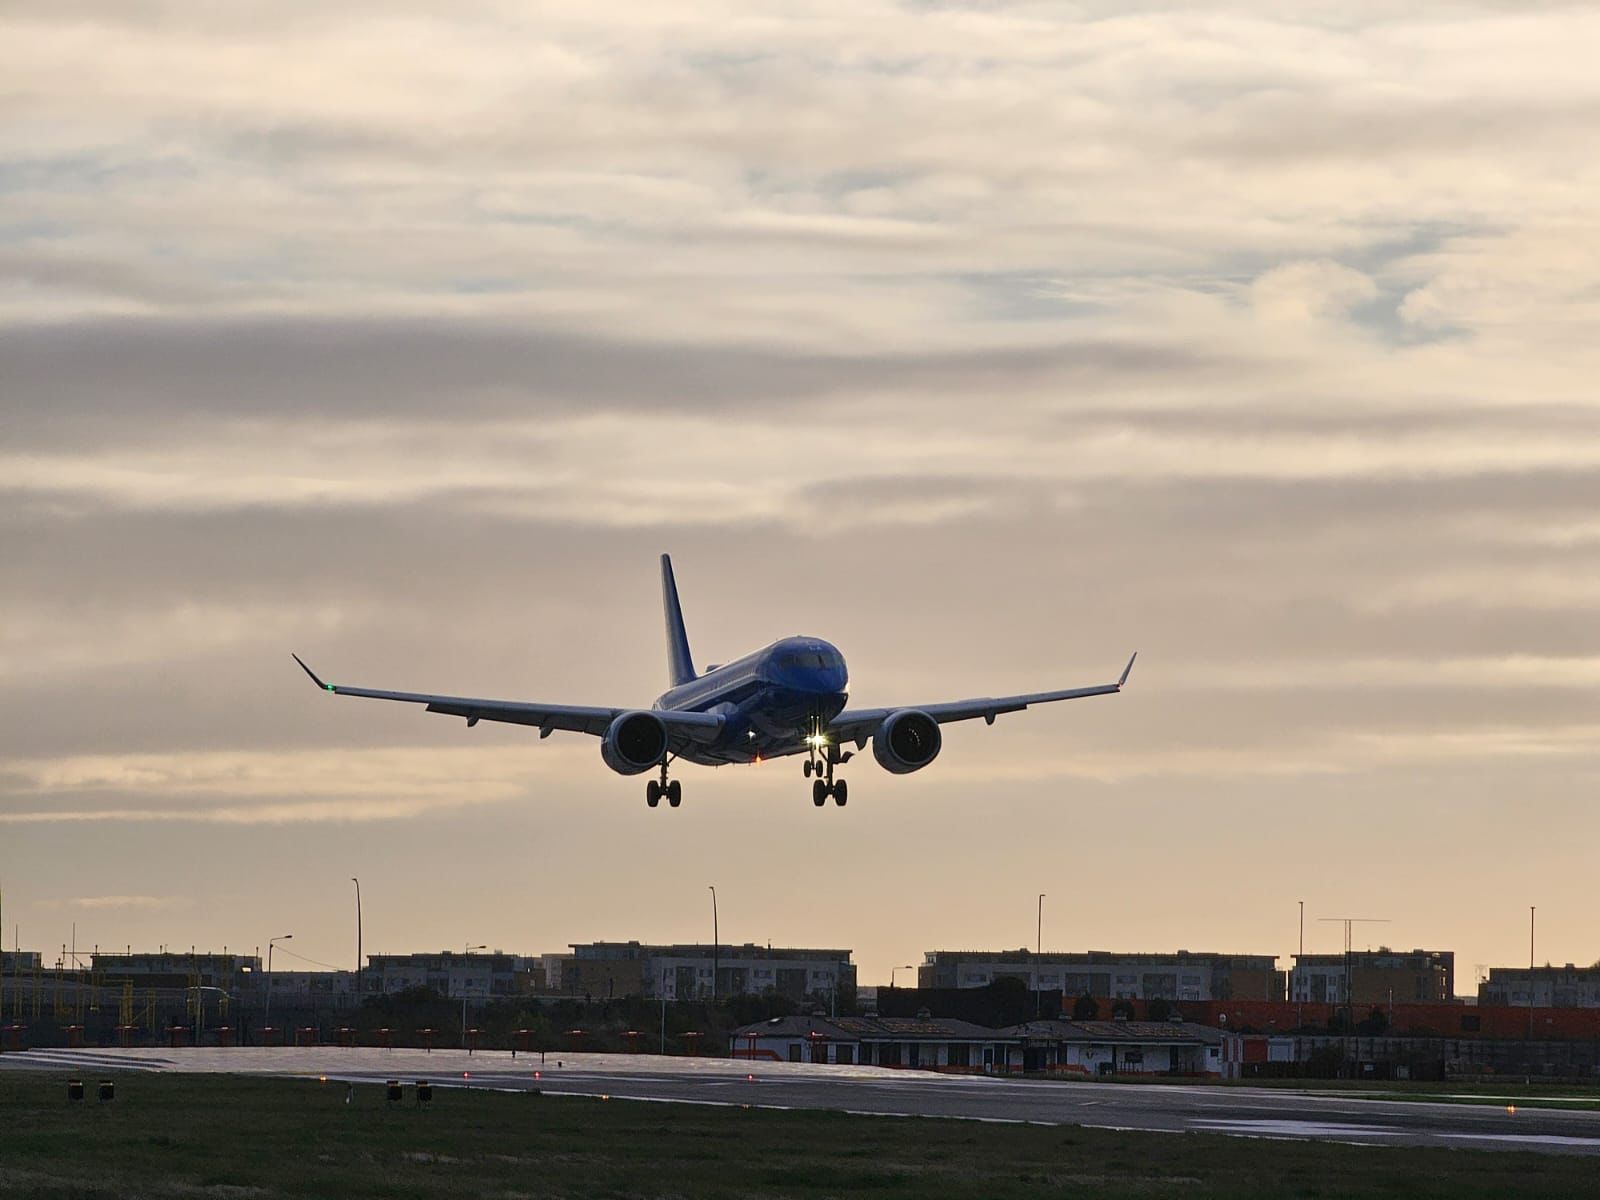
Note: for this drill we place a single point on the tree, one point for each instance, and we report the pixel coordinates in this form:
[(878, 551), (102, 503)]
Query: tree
[(1085, 1008), (1374, 1024), (1009, 1001), (1157, 1009)]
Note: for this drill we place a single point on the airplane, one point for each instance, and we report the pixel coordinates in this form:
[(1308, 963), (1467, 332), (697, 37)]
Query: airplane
[(786, 698)]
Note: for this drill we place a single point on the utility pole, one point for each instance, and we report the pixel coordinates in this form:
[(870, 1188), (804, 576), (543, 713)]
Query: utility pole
[(1349, 981), (663, 1012), (716, 943)]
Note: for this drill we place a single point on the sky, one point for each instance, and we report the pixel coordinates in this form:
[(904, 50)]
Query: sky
[(990, 341)]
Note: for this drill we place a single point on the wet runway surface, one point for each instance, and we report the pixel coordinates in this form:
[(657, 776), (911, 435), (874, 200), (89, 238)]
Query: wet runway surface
[(1238, 1111)]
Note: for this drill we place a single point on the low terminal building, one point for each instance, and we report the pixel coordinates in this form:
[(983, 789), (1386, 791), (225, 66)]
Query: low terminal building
[(927, 1043), (1119, 1048), (1183, 975)]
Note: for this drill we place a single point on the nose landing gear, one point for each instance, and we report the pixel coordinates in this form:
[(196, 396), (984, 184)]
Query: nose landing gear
[(821, 763)]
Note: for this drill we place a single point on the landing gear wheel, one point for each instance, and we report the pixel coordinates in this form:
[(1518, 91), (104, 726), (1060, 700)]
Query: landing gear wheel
[(652, 793), (806, 769), (819, 793), (674, 793), (841, 793)]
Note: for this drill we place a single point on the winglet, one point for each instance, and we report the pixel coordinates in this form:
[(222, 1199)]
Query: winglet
[(327, 687), (1125, 670)]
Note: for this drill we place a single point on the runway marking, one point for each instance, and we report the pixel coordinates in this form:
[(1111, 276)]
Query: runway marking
[(1293, 1128), (1540, 1139), (81, 1060)]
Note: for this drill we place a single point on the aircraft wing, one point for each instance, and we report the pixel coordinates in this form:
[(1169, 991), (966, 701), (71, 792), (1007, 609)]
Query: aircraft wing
[(858, 724), (681, 726)]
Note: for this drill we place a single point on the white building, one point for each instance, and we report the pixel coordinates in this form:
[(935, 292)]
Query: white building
[(924, 1043), (1119, 1048), (692, 971), (1182, 975), (1570, 986)]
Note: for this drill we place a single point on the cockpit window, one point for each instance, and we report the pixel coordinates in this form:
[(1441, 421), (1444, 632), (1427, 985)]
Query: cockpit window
[(808, 658)]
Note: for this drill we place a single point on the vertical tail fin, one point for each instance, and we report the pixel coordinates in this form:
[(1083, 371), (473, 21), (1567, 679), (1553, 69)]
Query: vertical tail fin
[(680, 665)]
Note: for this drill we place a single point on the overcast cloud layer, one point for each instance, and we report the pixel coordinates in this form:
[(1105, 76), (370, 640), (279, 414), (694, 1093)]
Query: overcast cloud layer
[(990, 341)]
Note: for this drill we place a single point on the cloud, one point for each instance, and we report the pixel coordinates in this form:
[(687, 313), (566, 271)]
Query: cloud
[(135, 902), (1305, 291), (248, 788)]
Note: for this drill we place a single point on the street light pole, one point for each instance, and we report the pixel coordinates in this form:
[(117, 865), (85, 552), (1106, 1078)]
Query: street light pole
[(200, 992), (266, 1019), (1299, 966), (892, 970), (1531, 911), (1038, 951), (359, 959), (468, 950), (716, 943)]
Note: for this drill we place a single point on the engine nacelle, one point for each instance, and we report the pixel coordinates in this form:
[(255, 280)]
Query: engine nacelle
[(906, 741), (636, 742)]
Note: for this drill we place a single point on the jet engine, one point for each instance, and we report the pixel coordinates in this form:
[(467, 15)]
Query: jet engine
[(636, 742), (906, 741)]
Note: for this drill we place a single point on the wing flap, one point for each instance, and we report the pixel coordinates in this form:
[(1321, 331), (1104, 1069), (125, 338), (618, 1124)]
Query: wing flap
[(683, 727), (856, 725)]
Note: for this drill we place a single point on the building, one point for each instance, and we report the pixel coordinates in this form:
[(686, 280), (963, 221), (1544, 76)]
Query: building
[(699, 972), (1374, 977), (1117, 1048), (553, 967), (176, 969), (1542, 987), (299, 987), (920, 1042), (19, 962), (605, 970), (451, 973), (1184, 975)]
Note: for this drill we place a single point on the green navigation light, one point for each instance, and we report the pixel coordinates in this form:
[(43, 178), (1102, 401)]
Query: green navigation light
[(329, 686)]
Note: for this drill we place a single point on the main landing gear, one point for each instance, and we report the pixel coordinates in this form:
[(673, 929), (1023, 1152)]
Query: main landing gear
[(839, 790), (821, 764), (655, 789)]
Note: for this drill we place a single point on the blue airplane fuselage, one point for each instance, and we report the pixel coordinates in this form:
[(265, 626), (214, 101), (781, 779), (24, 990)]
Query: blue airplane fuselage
[(770, 701)]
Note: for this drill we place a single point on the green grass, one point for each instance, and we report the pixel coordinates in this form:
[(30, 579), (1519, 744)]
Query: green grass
[(239, 1138)]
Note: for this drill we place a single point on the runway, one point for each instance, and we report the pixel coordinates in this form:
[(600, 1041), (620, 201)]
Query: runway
[(1236, 1111)]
